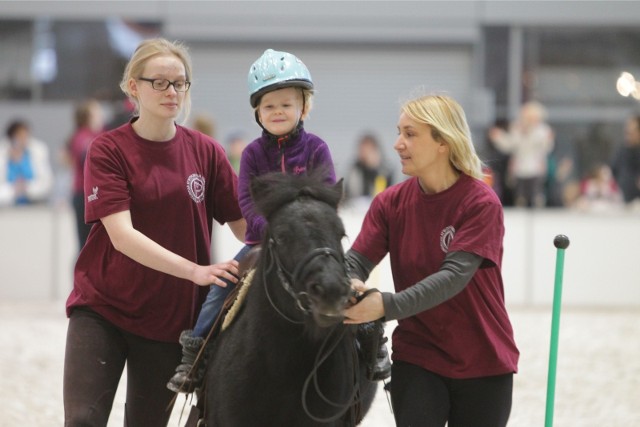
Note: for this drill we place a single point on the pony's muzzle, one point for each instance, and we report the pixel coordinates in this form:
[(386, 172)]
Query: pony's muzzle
[(328, 300)]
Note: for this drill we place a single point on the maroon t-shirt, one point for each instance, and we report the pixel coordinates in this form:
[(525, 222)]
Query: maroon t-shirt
[(78, 145), (173, 189), (469, 335)]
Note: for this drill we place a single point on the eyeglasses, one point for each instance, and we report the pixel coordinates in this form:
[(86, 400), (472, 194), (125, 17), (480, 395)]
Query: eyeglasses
[(163, 84)]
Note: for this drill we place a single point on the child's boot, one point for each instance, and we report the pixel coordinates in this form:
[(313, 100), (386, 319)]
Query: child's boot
[(186, 379), (373, 350)]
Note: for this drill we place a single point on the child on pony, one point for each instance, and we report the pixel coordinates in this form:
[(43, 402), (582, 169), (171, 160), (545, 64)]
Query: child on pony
[(281, 93)]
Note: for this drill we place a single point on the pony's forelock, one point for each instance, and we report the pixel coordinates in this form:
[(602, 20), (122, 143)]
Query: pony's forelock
[(290, 188)]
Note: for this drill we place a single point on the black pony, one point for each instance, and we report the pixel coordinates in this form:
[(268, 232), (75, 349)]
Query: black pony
[(288, 360)]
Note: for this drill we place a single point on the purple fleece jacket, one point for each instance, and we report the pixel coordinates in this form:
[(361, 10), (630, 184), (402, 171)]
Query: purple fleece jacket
[(297, 156)]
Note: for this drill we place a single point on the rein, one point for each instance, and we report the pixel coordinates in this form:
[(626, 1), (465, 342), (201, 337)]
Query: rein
[(351, 401), (302, 303)]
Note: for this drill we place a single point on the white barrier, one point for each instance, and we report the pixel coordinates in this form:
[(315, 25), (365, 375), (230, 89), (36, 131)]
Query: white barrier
[(602, 266), (38, 247)]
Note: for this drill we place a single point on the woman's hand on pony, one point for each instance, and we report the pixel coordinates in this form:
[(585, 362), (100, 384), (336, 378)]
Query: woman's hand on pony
[(366, 305)]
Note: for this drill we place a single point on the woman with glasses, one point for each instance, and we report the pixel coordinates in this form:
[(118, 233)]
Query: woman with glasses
[(152, 189)]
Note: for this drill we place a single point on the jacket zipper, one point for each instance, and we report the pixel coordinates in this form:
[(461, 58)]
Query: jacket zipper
[(281, 148)]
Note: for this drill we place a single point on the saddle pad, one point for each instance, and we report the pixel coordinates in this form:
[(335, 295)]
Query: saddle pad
[(237, 303)]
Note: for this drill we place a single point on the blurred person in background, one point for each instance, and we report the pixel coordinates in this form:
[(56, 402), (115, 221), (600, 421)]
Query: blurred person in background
[(529, 141), (205, 124), (599, 191), (626, 164), (236, 143), (89, 123), (592, 148), (563, 185), (454, 353), (26, 176), (497, 163), (153, 188), (369, 174), (122, 113)]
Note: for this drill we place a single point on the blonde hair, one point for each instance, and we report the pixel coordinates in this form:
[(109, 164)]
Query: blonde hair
[(448, 123), (147, 50), (307, 95)]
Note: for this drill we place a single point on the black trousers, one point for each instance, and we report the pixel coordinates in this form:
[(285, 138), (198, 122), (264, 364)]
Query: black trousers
[(423, 399), (96, 352)]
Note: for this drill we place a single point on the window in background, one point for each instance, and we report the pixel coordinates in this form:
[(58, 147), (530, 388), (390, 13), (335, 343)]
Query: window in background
[(47, 59), (16, 41), (573, 72)]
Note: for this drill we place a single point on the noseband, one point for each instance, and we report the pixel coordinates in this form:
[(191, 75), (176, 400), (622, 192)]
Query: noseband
[(287, 279)]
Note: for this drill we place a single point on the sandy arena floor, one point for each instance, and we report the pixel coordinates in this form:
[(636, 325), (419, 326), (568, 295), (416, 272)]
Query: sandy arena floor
[(598, 375)]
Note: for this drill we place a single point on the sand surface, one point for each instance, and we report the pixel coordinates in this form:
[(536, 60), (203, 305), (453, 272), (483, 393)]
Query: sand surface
[(598, 374)]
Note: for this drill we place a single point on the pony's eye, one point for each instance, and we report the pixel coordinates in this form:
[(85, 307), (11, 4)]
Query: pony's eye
[(279, 240)]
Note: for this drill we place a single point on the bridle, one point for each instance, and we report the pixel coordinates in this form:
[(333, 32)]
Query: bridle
[(303, 302), (330, 342), (287, 279)]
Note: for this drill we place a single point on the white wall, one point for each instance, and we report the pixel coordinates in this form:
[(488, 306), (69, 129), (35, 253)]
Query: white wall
[(38, 247), (331, 20), (38, 250), (601, 265)]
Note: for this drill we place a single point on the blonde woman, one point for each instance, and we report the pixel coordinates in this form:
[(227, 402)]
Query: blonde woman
[(529, 142), (454, 354), (152, 190)]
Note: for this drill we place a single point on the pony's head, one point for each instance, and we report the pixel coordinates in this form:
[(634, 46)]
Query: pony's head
[(303, 245)]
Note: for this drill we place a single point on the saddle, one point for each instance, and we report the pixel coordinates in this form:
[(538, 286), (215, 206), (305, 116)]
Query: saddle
[(230, 309)]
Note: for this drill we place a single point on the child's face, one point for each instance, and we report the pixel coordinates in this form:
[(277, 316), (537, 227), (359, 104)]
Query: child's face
[(279, 111)]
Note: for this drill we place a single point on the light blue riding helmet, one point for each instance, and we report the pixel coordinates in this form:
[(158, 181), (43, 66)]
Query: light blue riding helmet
[(276, 70)]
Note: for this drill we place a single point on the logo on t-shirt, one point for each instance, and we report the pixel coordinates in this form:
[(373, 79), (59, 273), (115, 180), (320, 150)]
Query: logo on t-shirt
[(446, 236), (93, 196), (195, 186)]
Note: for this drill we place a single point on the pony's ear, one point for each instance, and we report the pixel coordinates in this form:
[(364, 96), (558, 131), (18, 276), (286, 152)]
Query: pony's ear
[(337, 193)]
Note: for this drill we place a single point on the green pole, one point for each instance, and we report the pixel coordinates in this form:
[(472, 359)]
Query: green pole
[(561, 242)]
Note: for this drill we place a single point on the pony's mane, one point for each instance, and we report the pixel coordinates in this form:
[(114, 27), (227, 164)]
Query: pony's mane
[(273, 190)]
